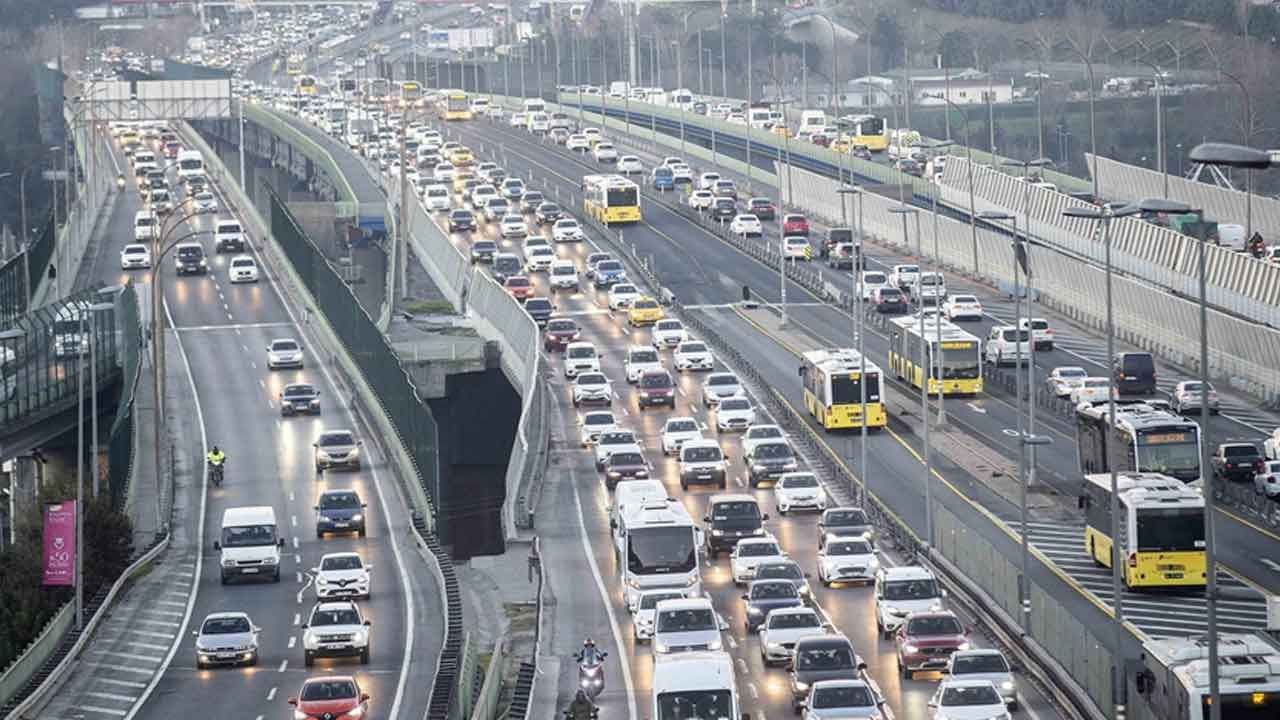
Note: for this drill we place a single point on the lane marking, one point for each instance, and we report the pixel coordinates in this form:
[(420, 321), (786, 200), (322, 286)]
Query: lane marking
[(284, 665), (293, 640), (271, 694)]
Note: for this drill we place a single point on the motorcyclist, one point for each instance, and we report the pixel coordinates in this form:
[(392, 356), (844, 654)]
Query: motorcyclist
[(581, 708), (590, 654), (1257, 246), (215, 456)]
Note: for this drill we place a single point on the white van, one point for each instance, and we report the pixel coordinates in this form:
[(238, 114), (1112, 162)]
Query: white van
[(534, 105), (695, 684), (539, 122), (758, 118), (190, 162), (1231, 235), (145, 226), (930, 288), (250, 543), (811, 121), (228, 236)]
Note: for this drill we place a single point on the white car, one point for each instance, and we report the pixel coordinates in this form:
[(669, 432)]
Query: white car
[(539, 259), (701, 199), (847, 559), (795, 247), (985, 664), (580, 357), (1041, 333), (1091, 390), (593, 134), (708, 180), (513, 188), (592, 387), (962, 307), (342, 574), (534, 241), (1062, 380), (135, 255), (669, 333), (436, 197), (335, 629), (443, 172), (605, 152), (621, 295), (797, 491), (578, 142), (513, 226), (757, 434), (746, 224), (629, 164), (681, 172), (205, 202), (690, 623), (642, 619), (1186, 398), (693, 355), (519, 119), (750, 552), (677, 431), (904, 277), (243, 269), (872, 280), (593, 423), (563, 275), (782, 628), (734, 414), (284, 353), (480, 196), (639, 360), (618, 439), (718, 386), (968, 700), (567, 230), (494, 111), (485, 168)]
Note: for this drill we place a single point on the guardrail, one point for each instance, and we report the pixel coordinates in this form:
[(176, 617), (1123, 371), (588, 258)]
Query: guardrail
[(349, 205), (37, 653), (486, 706)]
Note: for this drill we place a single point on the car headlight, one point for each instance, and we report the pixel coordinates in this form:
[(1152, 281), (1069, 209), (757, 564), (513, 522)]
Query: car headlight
[(873, 563), (357, 517), (299, 715), (228, 562), (633, 582), (717, 532), (753, 610), (322, 581), (661, 647), (802, 686), (1006, 685), (614, 474), (756, 467), (355, 452), (309, 641), (909, 648), (355, 712), (791, 465), (963, 646)]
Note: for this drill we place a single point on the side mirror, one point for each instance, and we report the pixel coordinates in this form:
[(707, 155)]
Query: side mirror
[(968, 632), (706, 518), (745, 596), (315, 569), (364, 505), (217, 545), (862, 665), (304, 626), (764, 517), (364, 697), (293, 701), (280, 542), (1082, 502), (315, 507), (195, 633), (933, 703), (368, 623)]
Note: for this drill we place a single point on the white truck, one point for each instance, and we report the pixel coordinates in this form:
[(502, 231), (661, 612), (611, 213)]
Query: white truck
[(902, 142)]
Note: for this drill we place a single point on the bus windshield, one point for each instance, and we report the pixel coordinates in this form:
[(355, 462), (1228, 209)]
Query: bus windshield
[(1170, 529), (846, 390), (696, 705), (870, 126), (1169, 452), (661, 550), (960, 364), (622, 197)]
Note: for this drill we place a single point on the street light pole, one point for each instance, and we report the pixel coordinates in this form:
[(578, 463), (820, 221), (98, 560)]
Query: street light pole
[(857, 334), (968, 149), (1093, 136), (926, 372), (1248, 140)]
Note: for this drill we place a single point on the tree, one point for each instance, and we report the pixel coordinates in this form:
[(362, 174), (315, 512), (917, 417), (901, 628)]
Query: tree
[(889, 40)]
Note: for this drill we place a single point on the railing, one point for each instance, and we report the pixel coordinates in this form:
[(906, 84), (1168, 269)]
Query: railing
[(486, 706), (349, 204), (35, 655)]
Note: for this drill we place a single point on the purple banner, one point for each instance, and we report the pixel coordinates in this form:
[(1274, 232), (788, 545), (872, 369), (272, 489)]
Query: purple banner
[(60, 543)]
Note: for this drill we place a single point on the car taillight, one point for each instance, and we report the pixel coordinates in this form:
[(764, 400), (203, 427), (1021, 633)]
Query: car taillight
[(1133, 560)]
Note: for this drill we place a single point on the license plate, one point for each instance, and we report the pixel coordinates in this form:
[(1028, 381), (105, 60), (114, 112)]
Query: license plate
[(340, 524), (225, 656), (1173, 576), (249, 570), (704, 477)]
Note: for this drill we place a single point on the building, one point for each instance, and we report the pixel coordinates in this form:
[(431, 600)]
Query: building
[(928, 87)]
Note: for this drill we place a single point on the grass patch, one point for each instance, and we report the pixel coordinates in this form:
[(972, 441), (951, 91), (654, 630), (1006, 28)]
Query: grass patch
[(522, 618), (418, 306)]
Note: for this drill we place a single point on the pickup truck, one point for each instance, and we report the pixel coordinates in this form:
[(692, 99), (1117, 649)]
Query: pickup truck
[(1236, 461)]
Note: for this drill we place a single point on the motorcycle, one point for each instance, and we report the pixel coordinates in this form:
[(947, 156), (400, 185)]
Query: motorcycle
[(215, 472), (595, 713), (591, 675)]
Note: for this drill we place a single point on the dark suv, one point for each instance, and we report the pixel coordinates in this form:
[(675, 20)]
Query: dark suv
[(1134, 373), (656, 388), (300, 399), (821, 657), (769, 460), (189, 259), (339, 511), (1237, 461), (730, 518)]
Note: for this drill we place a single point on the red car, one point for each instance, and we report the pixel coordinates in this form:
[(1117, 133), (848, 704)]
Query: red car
[(926, 640), (656, 388), (762, 208), (336, 697), (519, 287), (821, 140), (795, 225), (560, 332)]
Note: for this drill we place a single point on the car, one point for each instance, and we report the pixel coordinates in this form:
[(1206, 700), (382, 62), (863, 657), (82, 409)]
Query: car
[(531, 200), (708, 180), (750, 552), (781, 629), (563, 275), (330, 697), (567, 230), (519, 287), (284, 353), (592, 387), (842, 699), (726, 188), (746, 224), (669, 333), (1041, 332), (481, 194), (1006, 344), (135, 256), (335, 629), (243, 269), (719, 386), (723, 209), (559, 135), (519, 120), (796, 247), (644, 311), (763, 208), (702, 461), (461, 219), (901, 591), (795, 224), (788, 570), (797, 491), (677, 431), (512, 226), (594, 259), (663, 178), (1236, 461), (540, 309), (577, 142), (693, 355), (1186, 398), (764, 596), (560, 333), (339, 511), (768, 461), (336, 448), (628, 164), (701, 199), (580, 357), (608, 272), (625, 464), (483, 251), (642, 618), (484, 169), (655, 387), (226, 638), (1091, 390), (605, 152), (843, 522), (1062, 380), (903, 276), (984, 664), (342, 574), (1266, 481), (870, 282), (460, 156), (734, 414), (495, 208), (847, 559), (640, 359), (443, 172), (968, 700), (512, 189), (548, 212), (204, 202), (592, 424), (686, 625), (1134, 373), (821, 657), (436, 197), (299, 399), (189, 259), (617, 439), (962, 307), (535, 241), (621, 296)]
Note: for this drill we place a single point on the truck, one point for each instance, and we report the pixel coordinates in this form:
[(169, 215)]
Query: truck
[(902, 142)]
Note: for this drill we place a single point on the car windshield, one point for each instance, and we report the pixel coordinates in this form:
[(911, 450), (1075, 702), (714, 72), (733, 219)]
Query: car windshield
[(341, 562), (644, 304), (624, 289), (460, 215), (591, 379), (789, 621), (838, 657), (760, 549), (682, 426), (625, 458), (248, 535), (687, 620), (284, 346), (779, 571), (335, 616), (980, 663), (598, 419), (669, 325), (764, 433), (339, 501), (941, 625), (701, 454), (842, 697), (517, 282), (337, 438), (970, 695), (329, 690), (644, 356), (849, 547), (225, 626), (487, 245), (582, 352), (773, 590), (800, 481), (722, 380), (655, 380), (735, 404), (693, 348), (910, 589), (773, 450), (242, 262), (609, 266), (562, 325), (624, 437), (649, 601), (1072, 372)]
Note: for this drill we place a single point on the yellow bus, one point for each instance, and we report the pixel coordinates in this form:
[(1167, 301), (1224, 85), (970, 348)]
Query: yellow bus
[(307, 85), (1161, 528), (456, 106), (832, 382), (410, 94), (293, 65), (611, 199), (956, 361), (869, 131)]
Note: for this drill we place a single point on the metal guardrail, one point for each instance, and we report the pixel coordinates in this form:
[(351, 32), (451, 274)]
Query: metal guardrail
[(37, 653), (490, 689), (349, 206)]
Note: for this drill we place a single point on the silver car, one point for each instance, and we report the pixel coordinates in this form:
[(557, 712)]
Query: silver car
[(985, 664), (337, 448), (284, 353), (1186, 398), (718, 386), (842, 700), (226, 638)]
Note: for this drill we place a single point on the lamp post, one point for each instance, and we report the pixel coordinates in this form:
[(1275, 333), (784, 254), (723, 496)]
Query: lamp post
[(1093, 136), (1106, 214), (835, 68), (1161, 159), (93, 365), (1248, 140), (1039, 75), (857, 334), (937, 259), (946, 74), (5, 337), (968, 149), (926, 371), (782, 257)]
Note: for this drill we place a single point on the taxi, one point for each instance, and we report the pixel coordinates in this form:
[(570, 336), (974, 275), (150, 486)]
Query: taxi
[(461, 156), (460, 178), (644, 311), (783, 131)]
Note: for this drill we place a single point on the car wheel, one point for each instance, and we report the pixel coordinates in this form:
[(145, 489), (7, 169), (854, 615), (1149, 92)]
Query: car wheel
[(275, 577), (904, 671), (308, 659), (364, 656), (722, 482), (360, 532), (319, 534), (684, 484), (779, 509), (200, 665)]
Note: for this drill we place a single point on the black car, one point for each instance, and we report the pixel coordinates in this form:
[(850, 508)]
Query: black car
[(539, 309), (547, 213), (461, 219), (189, 259), (821, 657), (300, 399), (723, 208), (730, 518), (483, 251), (531, 199), (890, 300), (766, 595), (339, 511), (1237, 461), (769, 460)]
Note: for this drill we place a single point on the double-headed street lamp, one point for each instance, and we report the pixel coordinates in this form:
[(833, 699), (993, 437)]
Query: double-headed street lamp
[(858, 320), (968, 149), (1093, 136), (1248, 140)]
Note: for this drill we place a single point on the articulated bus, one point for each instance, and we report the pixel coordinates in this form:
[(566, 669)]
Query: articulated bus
[(1161, 528), (307, 85), (832, 382), (1145, 439), (1174, 682), (456, 106), (410, 94), (869, 131), (611, 199), (954, 355), (293, 65)]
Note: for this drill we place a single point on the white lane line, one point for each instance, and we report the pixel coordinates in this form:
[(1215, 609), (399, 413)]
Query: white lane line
[(114, 667), (162, 623), (232, 326), (292, 641), (102, 710), (271, 694), (163, 613), (121, 683), (127, 656), (284, 665), (293, 520), (147, 645), (297, 619), (112, 696), (177, 603)]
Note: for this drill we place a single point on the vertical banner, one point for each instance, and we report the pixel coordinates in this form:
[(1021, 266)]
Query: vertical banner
[(60, 544)]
